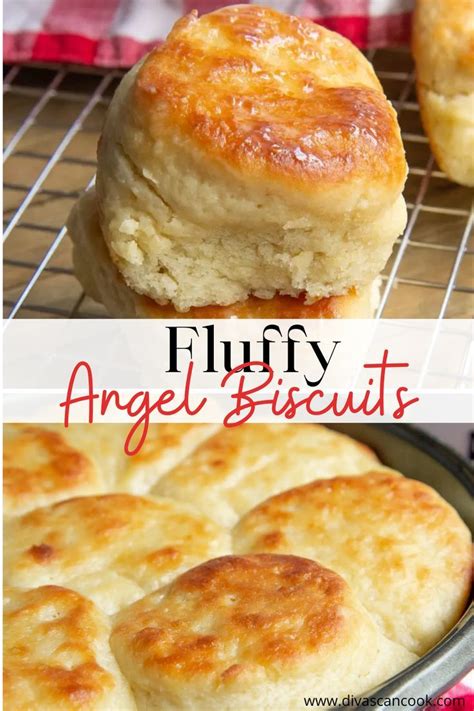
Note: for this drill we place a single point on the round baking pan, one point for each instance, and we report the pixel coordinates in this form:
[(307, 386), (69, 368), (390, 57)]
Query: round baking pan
[(420, 456)]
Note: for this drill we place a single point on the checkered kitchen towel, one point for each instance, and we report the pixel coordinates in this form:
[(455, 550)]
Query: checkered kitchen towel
[(116, 33)]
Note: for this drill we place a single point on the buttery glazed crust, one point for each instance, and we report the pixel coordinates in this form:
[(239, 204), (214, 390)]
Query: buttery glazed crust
[(249, 632), (399, 545), (114, 548), (273, 94), (57, 654), (252, 154)]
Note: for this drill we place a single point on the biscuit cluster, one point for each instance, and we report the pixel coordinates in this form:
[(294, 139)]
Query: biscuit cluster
[(216, 569), (251, 158)]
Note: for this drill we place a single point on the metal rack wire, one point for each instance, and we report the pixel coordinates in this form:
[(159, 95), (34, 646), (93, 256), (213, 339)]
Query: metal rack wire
[(53, 118)]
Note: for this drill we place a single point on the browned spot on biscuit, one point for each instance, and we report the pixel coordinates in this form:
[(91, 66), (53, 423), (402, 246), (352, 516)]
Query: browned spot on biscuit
[(233, 671), (272, 539), (164, 557), (81, 685), (42, 553)]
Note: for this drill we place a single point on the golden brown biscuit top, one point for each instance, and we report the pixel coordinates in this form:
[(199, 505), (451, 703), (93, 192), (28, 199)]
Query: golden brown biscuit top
[(381, 508), (272, 94), (40, 466), (232, 471), (53, 643), (379, 496), (142, 540), (231, 617), (44, 464), (402, 548)]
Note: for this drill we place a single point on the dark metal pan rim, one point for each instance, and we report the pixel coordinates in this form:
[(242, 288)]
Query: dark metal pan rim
[(446, 456)]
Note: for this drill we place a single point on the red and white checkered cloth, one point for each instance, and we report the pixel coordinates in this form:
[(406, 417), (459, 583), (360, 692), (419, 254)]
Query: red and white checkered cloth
[(116, 33)]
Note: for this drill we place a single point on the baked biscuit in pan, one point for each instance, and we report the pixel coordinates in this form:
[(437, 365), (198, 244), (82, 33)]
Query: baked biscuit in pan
[(57, 654), (232, 471), (166, 445), (48, 463), (113, 548), (251, 632), (404, 551), (384, 570)]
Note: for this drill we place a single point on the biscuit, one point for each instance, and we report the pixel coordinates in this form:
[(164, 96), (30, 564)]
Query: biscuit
[(166, 445), (443, 47), (403, 550), (46, 463), (236, 468), (102, 282), (252, 154), (251, 632), (113, 548), (57, 654)]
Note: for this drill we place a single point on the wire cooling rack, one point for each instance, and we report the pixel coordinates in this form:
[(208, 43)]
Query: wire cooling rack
[(52, 120)]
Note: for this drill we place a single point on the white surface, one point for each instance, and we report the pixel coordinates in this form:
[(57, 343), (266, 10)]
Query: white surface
[(145, 20), (390, 7), (134, 356), (25, 16)]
